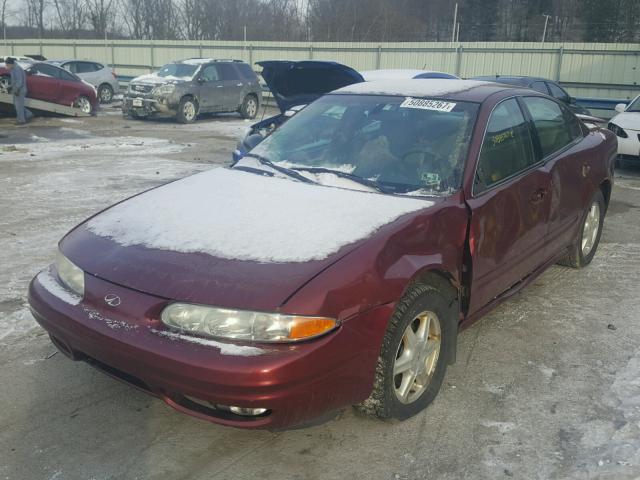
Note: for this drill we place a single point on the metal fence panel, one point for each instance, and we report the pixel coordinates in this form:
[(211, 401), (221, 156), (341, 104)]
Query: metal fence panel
[(588, 70)]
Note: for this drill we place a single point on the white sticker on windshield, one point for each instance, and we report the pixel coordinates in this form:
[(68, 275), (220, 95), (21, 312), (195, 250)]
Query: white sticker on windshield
[(437, 105)]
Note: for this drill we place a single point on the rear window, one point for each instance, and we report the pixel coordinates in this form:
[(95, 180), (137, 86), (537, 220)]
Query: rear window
[(246, 72)]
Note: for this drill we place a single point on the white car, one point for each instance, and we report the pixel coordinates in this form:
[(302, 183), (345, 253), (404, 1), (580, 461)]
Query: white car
[(101, 77), (403, 74), (626, 126)]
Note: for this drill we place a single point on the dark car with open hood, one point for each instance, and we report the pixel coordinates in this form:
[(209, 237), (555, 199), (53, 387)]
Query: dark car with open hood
[(294, 85), (369, 229)]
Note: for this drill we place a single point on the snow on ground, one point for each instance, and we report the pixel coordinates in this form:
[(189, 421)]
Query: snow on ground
[(54, 182), (264, 219)]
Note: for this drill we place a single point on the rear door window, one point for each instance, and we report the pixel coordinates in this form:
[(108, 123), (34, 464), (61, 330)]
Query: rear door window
[(245, 71), (540, 87), (227, 72), (85, 67), (507, 148), (551, 124)]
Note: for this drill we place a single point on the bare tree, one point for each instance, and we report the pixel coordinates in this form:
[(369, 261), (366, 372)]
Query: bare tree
[(100, 14), (70, 16)]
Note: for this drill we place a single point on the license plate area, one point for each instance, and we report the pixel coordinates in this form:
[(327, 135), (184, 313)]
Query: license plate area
[(137, 102)]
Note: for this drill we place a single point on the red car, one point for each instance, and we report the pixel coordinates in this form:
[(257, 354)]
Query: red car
[(336, 262), (56, 85)]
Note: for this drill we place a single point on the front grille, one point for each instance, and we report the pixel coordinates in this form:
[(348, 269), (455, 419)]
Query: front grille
[(141, 88)]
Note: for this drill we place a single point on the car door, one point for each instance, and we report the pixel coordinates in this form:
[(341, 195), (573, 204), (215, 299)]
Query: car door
[(509, 206), (232, 86), (210, 90), (566, 158), (87, 72), (43, 83), (69, 87)]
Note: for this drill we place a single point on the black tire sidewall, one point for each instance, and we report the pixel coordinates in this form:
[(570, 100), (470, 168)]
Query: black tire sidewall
[(245, 103), (108, 88), (597, 197), (434, 301), (180, 116)]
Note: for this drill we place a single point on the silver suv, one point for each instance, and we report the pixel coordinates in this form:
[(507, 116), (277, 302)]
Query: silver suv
[(198, 85), (100, 76)]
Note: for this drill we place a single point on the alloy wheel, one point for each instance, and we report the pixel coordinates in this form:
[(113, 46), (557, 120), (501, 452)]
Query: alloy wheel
[(417, 357), (590, 229)]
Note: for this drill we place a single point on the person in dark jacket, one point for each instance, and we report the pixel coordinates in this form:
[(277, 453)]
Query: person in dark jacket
[(19, 90)]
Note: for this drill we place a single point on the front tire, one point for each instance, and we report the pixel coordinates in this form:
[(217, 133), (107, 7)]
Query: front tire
[(187, 110), (249, 107), (84, 104), (414, 355), (105, 93), (584, 249)]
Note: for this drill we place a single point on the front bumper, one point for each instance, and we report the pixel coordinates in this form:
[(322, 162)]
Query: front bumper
[(295, 382), (146, 107), (629, 146)]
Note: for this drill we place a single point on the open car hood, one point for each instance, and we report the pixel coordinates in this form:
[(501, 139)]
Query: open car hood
[(300, 83)]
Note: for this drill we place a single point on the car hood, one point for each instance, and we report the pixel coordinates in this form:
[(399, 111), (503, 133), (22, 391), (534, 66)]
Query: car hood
[(231, 238), (300, 83), (153, 79), (630, 120)]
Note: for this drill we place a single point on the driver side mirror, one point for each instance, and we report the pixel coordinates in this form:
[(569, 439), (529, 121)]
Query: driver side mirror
[(572, 101), (621, 107), (200, 80), (252, 140)]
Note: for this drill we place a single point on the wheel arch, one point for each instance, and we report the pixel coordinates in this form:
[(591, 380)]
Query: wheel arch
[(446, 283)]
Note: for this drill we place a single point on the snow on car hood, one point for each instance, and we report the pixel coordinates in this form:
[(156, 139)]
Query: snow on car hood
[(237, 215), (153, 79), (630, 120)]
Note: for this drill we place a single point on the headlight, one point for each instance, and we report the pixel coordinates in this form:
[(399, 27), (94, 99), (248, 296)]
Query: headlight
[(164, 89), (617, 130), (70, 275), (243, 325)]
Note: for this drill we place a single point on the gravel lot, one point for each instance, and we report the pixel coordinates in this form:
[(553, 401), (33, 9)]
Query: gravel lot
[(547, 386)]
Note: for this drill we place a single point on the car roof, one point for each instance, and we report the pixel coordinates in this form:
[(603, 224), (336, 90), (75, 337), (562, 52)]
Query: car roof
[(452, 89), (200, 61), (513, 79), (402, 73)]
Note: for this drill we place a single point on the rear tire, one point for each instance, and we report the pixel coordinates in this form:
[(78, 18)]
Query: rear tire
[(249, 107), (105, 93), (414, 355), (187, 110), (585, 246)]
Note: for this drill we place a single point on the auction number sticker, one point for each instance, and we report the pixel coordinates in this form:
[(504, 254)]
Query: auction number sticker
[(423, 103)]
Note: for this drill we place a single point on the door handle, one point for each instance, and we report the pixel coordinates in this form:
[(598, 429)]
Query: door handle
[(220, 86), (239, 85), (538, 196), (586, 168)]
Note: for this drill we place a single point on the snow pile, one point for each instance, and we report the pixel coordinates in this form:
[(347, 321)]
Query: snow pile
[(239, 215)]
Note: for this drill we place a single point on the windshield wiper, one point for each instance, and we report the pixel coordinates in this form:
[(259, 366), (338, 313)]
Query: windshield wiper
[(286, 171), (349, 176)]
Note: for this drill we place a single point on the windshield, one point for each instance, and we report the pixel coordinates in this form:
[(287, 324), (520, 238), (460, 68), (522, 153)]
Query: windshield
[(178, 70), (401, 145), (634, 106)]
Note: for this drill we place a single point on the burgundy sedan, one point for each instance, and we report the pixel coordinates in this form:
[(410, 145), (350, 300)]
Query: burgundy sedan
[(335, 264), (56, 85)]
